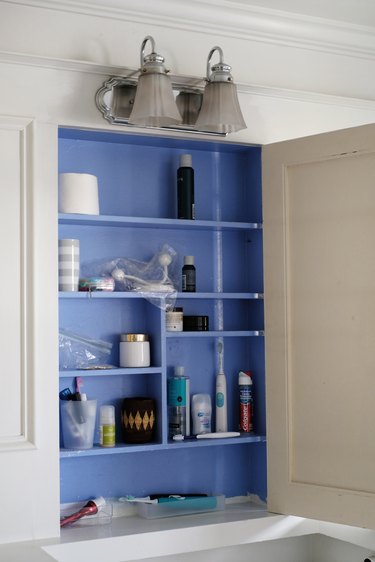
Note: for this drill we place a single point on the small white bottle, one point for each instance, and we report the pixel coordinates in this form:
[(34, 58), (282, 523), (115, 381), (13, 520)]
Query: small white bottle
[(107, 426), (201, 411)]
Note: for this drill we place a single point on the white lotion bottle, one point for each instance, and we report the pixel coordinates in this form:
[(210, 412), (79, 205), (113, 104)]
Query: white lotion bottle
[(221, 419)]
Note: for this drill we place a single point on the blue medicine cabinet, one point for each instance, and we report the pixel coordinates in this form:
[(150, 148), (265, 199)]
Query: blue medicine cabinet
[(138, 201)]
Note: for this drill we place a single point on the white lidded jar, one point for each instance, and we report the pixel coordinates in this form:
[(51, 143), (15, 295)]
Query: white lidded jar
[(134, 350)]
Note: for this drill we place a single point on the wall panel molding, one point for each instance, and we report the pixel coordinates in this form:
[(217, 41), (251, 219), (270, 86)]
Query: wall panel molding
[(105, 71), (230, 19), (17, 400)]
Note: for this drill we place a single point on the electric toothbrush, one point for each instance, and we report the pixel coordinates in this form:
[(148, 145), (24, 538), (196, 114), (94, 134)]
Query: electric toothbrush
[(221, 395)]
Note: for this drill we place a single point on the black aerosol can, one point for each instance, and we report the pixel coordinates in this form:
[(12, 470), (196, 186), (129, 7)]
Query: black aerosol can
[(185, 188)]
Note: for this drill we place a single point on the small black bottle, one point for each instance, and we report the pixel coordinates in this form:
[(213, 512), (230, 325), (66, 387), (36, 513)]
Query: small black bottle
[(188, 275), (185, 188)]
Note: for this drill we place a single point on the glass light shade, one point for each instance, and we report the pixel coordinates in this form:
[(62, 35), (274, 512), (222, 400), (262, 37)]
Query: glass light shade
[(220, 112), (154, 103)]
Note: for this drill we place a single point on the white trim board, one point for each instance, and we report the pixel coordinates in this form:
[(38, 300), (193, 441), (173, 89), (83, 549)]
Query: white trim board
[(247, 89), (230, 19)]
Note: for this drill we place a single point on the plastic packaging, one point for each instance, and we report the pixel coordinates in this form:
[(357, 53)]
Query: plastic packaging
[(107, 426), (245, 385), (97, 284), (183, 506), (80, 352), (188, 275), (221, 421), (156, 280), (179, 403), (201, 411), (185, 188)]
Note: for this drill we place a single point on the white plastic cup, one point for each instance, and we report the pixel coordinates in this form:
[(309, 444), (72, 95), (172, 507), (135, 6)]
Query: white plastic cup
[(78, 423), (68, 264)]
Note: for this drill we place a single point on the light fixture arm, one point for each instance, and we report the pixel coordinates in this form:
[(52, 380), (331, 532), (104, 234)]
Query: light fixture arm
[(143, 46), (221, 70), (151, 63)]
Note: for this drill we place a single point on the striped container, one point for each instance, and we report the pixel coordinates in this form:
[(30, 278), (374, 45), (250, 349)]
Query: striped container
[(68, 264)]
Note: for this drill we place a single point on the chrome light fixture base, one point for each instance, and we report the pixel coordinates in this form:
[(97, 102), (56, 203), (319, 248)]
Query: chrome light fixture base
[(115, 100)]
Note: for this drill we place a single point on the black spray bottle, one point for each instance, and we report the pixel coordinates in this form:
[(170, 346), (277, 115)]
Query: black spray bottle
[(185, 188)]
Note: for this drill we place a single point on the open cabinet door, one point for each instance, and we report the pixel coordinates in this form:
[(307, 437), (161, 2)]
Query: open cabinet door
[(28, 330), (319, 248)]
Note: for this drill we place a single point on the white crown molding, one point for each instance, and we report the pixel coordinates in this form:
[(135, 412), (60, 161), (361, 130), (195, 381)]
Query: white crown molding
[(230, 19), (104, 72)]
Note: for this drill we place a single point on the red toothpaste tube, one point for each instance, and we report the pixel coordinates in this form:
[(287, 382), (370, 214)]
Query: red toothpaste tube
[(245, 385)]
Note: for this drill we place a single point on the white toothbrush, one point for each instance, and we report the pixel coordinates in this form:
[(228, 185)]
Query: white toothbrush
[(221, 395)]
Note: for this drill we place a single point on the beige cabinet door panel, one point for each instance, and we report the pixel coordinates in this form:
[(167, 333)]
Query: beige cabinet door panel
[(319, 232)]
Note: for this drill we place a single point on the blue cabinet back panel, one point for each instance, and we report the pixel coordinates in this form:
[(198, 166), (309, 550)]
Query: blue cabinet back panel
[(211, 470), (137, 178)]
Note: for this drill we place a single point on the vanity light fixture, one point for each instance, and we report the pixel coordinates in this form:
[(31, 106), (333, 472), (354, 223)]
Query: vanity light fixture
[(187, 104)]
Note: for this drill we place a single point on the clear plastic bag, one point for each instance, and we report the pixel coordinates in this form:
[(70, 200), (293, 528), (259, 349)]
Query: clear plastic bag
[(155, 280), (80, 352)]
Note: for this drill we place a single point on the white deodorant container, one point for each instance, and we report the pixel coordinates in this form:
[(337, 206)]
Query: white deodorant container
[(201, 410)]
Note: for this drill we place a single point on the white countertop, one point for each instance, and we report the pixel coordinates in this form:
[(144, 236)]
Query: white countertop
[(119, 541), (132, 538)]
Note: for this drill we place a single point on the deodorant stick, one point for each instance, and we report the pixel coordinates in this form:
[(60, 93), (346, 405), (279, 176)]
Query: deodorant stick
[(201, 410)]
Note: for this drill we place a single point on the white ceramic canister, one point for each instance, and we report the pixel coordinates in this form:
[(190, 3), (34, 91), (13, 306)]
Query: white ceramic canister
[(134, 350)]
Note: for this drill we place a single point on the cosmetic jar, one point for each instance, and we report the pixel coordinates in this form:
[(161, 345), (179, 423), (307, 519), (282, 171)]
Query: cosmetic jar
[(195, 323), (134, 350), (173, 319)]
